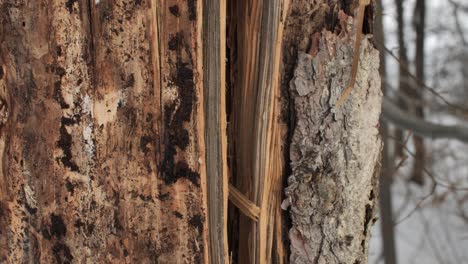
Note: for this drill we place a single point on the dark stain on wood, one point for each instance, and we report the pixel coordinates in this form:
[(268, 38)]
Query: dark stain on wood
[(70, 187), (197, 221), (57, 226), (164, 197), (367, 220), (178, 215), (174, 10), (144, 141), (130, 82), (62, 253), (69, 4), (60, 72), (176, 41), (31, 210), (176, 113), (192, 9), (65, 143), (182, 170)]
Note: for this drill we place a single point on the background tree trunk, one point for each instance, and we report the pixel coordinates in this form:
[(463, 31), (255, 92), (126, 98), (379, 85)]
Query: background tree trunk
[(388, 164), (404, 79), (419, 24)]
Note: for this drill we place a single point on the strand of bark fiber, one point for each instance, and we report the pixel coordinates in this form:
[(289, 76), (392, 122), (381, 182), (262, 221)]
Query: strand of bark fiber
[(357, 46)]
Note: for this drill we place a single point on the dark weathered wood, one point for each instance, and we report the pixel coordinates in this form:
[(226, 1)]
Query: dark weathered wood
[(214, 44)]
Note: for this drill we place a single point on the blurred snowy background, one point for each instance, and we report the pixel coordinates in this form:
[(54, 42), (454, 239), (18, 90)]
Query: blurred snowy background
[(429, 214)]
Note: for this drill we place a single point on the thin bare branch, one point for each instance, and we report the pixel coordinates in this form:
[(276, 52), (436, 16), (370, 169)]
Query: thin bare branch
[(405, 120)]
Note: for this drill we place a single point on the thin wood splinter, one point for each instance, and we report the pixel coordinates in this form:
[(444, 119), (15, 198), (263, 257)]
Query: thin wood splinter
[(357, 46), (247, 207)]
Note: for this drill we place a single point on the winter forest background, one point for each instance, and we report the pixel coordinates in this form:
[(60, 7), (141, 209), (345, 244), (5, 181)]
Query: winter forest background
[(429, 183)]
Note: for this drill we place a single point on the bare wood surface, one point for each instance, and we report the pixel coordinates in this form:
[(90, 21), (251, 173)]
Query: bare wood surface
[(258, 131), (101, 158), (248, 208)]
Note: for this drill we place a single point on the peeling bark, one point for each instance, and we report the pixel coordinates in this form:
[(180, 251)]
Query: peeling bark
[(334, 152)]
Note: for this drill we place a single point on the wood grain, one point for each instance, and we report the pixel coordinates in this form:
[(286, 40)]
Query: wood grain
[(258, 133), (101, 155), (214, 33)]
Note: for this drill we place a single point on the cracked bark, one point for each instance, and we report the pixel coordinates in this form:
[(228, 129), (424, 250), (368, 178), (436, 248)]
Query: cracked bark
[(335, 153)]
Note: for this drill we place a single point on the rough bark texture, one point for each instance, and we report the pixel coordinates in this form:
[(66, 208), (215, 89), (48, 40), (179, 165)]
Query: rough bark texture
[(334, 152), (101, 153)]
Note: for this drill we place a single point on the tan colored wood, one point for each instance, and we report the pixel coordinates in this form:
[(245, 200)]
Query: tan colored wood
[(258, 131), (101, 155), (248, 208)]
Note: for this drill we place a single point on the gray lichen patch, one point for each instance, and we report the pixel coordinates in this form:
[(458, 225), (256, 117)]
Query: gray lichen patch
[(334, 153)]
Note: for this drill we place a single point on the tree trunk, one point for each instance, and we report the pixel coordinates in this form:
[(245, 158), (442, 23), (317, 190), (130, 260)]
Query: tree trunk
[(385, 191), (403, 75), (117, 118), (417, 174)]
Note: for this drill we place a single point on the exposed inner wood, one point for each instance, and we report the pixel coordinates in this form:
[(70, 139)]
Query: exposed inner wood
[(248, 208), (257, 131)]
